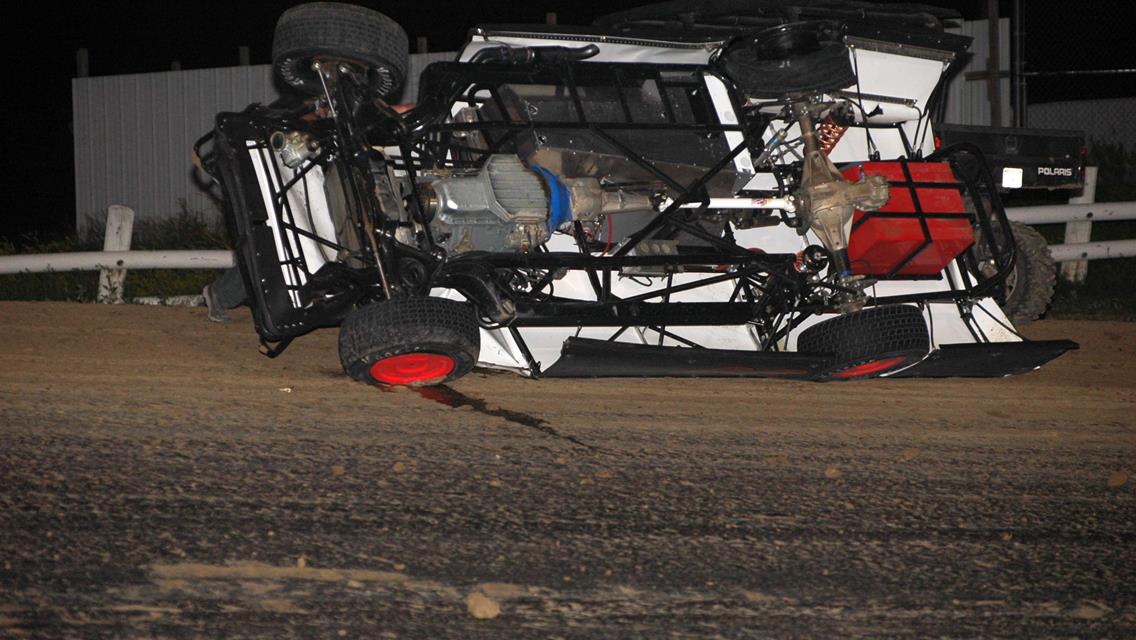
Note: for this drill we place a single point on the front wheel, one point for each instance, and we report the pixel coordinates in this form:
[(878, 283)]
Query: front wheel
[(868, 343), (1029, 286), (410, 341), (343, 32)]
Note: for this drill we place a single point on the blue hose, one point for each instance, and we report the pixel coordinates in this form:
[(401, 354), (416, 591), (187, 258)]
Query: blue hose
[(559, 202)]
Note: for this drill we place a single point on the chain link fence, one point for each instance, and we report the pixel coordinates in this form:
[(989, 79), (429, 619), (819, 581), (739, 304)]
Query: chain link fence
[(1075, 72)]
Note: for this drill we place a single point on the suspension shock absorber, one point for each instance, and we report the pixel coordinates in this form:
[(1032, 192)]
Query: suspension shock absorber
[(829, 132), (811, 260)]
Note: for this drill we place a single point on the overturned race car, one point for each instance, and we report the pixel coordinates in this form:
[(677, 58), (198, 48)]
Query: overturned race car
[(670, 192)]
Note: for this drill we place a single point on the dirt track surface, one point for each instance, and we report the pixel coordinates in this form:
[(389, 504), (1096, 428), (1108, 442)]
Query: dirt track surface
[(159, 478)]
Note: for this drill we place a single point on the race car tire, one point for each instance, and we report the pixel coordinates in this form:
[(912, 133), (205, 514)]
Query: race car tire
[(868, 343), (342, 32), (413, 341), (1030, 286), (791, 59)]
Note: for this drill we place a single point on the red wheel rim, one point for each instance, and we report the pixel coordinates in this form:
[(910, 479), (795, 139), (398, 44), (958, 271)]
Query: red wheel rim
[(409, 368), (870, 367)]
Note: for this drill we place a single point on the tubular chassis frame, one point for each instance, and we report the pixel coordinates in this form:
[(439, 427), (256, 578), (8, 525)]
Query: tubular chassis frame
[(517, 289)]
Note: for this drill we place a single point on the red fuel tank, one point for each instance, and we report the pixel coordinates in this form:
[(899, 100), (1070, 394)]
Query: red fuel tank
[(925, 224)]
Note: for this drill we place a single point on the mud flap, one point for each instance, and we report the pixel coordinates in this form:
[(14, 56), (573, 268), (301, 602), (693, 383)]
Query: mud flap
[(987, 360), (588, 358)]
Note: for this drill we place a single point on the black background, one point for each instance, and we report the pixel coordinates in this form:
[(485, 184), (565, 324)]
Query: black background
[(130, 37)]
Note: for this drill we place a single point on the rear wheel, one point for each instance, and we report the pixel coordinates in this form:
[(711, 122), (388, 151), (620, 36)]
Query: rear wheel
[(1030, 285), (410, 341), (343, 33), (868, 343)]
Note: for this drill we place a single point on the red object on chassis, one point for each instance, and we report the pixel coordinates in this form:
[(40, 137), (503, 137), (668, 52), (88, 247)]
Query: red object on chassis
[(922, 228)]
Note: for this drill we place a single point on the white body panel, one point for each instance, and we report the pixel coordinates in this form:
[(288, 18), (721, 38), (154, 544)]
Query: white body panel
[(907, 81)]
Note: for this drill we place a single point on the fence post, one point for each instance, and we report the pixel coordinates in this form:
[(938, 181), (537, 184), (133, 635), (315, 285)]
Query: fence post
[(1080, 231), (119, 228)]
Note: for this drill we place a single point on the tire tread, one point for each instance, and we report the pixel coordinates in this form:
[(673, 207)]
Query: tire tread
[(1036, 274), (406, 325), (348, 30), (870, 334)]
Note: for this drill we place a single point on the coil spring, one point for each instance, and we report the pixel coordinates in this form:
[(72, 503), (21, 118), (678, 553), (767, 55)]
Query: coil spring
[(799, 263), (829, 133)]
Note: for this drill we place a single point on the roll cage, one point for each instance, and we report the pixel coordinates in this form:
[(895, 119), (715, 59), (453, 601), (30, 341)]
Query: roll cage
[(386, 248)]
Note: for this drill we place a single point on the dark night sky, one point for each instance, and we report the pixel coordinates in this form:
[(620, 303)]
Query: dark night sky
[(135, 37)]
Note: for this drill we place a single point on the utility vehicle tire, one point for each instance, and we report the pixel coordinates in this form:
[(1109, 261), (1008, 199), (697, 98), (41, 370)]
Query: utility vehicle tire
[(1030, 285), (341, 32), (410, 341), (868, 343)]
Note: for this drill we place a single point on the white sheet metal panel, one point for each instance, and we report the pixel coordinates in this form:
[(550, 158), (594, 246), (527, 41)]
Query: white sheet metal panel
[(134, 134), (968, 101)]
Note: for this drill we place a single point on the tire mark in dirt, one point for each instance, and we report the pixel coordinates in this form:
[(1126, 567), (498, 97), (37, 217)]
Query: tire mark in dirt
[(443, 394)]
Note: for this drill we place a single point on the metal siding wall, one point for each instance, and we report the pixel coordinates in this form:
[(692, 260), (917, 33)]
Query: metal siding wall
[(134, 134), (968, 102)]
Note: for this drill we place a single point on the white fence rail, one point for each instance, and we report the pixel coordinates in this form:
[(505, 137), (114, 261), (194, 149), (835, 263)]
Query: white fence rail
[(1078, 220), (113, 260), (1064, 213), (1093, 250)]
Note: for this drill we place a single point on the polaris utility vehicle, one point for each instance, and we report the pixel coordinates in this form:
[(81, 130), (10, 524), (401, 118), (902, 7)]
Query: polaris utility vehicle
[(688, 189)]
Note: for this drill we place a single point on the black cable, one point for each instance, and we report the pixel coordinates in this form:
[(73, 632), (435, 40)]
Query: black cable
[(919, 125), (873, 151)]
